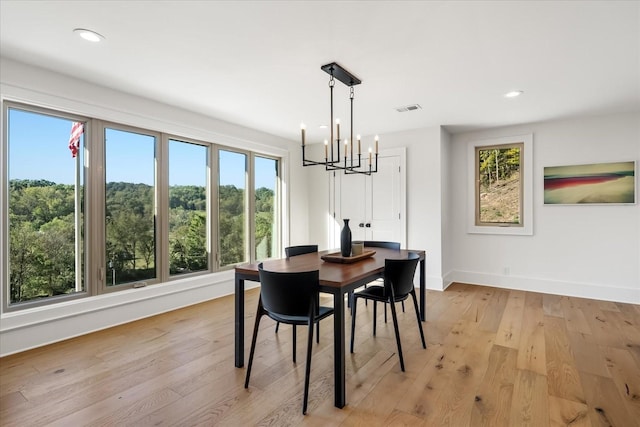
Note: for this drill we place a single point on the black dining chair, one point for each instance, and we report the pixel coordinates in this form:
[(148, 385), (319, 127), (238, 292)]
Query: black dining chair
[(300, 250), (388, 245), (290, 298), (398, 285), (290, 251)]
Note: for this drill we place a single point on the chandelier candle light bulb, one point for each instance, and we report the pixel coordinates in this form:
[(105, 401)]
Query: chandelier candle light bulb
[(302, 129), (358, 144), (326, 147)]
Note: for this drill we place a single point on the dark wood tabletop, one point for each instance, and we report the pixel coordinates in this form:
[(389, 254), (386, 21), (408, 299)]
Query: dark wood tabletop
[(331, 274)]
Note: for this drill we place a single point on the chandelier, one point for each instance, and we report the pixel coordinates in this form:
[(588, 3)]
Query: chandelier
[(350, 161)]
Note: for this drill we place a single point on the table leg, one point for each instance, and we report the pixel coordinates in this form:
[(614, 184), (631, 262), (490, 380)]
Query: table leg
[(423, 291), (339, 350), (239, 322)]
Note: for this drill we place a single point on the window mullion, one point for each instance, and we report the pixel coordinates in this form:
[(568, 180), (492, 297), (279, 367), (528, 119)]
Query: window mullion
[(162, 207), (251, 207)]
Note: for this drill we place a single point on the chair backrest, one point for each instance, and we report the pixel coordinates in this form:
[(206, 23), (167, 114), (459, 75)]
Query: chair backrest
[(379, 244), (290, 294), (300, 250), (398, 273)]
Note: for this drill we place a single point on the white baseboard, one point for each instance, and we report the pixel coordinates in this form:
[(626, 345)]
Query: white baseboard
[(546, 286)]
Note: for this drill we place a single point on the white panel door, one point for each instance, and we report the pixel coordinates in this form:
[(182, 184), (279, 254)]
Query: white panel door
[(374, 205), (385, 222)]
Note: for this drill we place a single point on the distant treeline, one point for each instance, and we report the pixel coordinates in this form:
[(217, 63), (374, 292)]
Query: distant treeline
[(42, 233), (498, 164)]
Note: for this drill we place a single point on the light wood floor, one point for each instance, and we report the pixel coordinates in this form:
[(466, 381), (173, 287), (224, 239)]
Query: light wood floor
[(495, 357)]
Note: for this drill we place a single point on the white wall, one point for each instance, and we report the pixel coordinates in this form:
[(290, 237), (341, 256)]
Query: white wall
[(587, 251), (30, 328)]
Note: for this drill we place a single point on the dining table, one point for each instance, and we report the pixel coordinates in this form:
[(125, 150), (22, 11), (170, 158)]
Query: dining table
[(339, 277)]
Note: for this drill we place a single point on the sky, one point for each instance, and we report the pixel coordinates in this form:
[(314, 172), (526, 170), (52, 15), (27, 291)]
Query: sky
[(39, 149)]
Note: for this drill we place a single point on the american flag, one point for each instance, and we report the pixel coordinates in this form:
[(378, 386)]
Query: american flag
[(77, 128)]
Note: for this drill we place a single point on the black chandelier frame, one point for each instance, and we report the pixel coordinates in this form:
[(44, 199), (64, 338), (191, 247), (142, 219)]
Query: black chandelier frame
[(335, 162)]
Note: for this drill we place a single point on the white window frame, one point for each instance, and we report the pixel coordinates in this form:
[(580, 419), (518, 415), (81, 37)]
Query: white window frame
[(526, 174)]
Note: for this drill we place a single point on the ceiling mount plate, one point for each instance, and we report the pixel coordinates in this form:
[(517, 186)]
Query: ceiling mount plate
[(341, 74)]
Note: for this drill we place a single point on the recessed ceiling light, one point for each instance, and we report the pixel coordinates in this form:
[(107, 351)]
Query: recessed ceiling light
[(89, 35), (513, 94)]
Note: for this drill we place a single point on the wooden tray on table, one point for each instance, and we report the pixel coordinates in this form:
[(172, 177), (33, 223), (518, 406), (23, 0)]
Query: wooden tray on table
[(338, 258)]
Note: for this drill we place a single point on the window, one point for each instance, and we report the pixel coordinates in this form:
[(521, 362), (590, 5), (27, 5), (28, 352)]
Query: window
[(501, 186), (498, 185), (265, 184), (46, 209), (187, 208), (232, 207), (130, 206), (133, 207)]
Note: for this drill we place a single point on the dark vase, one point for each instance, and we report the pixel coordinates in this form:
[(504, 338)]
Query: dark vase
[(345, 240)]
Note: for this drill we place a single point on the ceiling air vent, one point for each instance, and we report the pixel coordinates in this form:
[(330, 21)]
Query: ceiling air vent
[(408, 108)]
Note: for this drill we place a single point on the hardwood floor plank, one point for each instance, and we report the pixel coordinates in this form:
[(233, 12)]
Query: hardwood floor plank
[(588, 356), (552, 305), (531, 351), (492, 401), (574, 316), (454, 402), (530, 403), (564, 412), (510, 326), (494, 310), (604, 327), (606, 405), (434, 377), (626, 376), (563, 379)]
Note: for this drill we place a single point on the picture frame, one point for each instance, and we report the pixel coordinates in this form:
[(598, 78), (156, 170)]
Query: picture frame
[(591, 184)]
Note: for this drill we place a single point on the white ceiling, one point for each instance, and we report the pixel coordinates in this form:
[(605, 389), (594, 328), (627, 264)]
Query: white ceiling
[(257, 63)]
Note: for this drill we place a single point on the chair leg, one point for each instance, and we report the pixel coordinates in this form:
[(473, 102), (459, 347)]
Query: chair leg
[(294, 343), (253, 344), (318, 332), (402, 306), (277, 326), (308, 368), (375, 316), (353, 321), (395, 327), (415, 305), (385, 312)]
